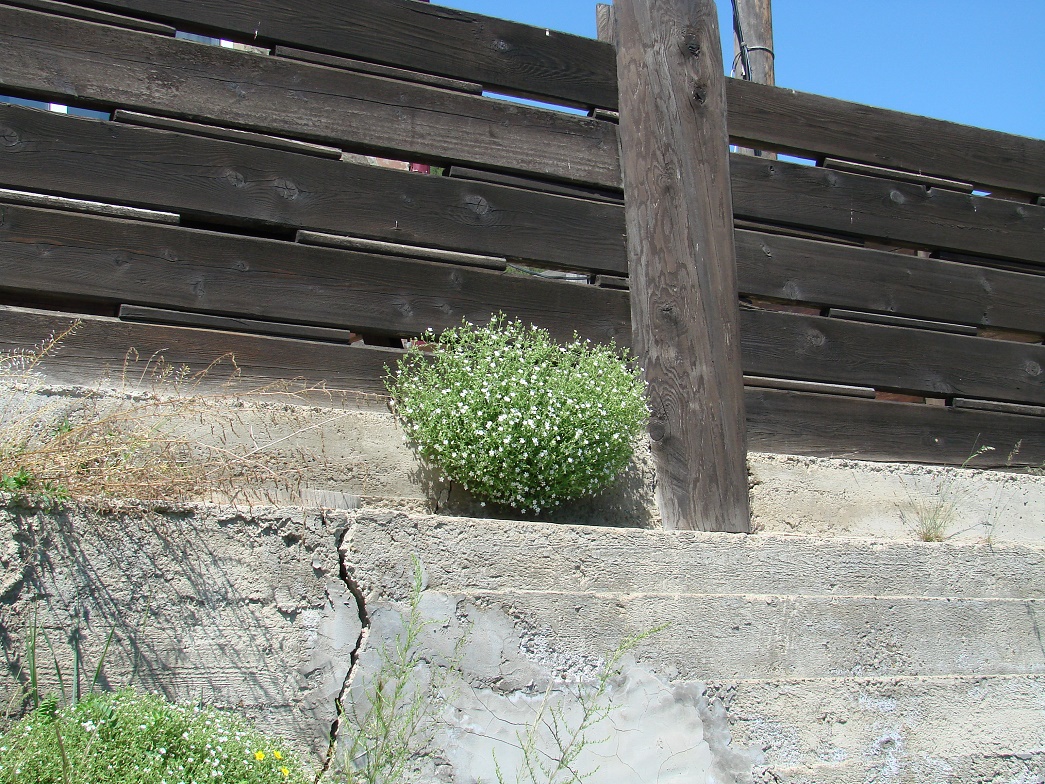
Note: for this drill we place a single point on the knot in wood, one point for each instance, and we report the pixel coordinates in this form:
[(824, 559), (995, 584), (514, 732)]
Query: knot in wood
[(691, 43), (478, 204), (235, 179), (669, 313), (1032, 368), (287, 189), (700, 93), (9, 136), (500, 45), (896, 197), (658, 430)]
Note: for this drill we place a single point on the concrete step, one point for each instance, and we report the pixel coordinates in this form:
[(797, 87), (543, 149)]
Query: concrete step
[(841, 729), (467, 554), (826, 660)]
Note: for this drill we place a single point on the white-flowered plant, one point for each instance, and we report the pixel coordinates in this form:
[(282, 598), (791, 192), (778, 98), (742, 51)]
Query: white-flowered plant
[(517, 418)]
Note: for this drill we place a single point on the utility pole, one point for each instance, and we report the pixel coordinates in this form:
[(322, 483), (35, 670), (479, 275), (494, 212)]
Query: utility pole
[(753, 47)]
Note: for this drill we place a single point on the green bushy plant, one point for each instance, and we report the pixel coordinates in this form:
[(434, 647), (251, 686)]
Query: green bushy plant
[(517, 418), (120, 737)]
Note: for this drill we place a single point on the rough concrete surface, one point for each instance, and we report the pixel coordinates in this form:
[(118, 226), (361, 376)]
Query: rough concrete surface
[(784, 658), (222, 605), (322, 447), (856, 661)]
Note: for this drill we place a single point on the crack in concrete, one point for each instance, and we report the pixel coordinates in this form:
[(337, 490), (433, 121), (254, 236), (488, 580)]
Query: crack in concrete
[(364, 632)]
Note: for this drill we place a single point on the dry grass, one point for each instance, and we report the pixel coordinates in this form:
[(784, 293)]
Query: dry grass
[(157, 437)]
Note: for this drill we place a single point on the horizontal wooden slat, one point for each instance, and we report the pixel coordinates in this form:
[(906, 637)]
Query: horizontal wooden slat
[(66, 59), (136, 263), (777, 421), (400, 250), (994, 405), (91, 15), (828, 274), (519, 59), (834, 426), (897, 174), (184, 318), (814, 348), (901, 321), (791, 121), (228, 134), (332, 61), (147, 264), (79, 205), (866, 206), (809, 386), (107, 350), (545, 186), (234, 183), (533, 61)]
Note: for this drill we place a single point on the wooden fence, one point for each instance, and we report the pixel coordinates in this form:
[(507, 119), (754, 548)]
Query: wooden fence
[(891, 294)]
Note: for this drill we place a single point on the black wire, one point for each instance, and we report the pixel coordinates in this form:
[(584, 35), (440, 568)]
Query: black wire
[(741, 42)]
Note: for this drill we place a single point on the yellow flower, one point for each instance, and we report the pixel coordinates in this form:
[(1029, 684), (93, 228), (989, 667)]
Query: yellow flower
[(259, 755), (277, 754), (284, 771)]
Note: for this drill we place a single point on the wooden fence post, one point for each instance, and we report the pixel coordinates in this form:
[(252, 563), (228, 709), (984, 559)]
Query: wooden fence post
[(679, 214)]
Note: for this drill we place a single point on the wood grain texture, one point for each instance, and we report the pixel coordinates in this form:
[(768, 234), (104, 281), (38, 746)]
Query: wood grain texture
[(791, 121), (828, 274), (897, 174), (518, 59), (895, 359), (92, 15), (64, 59), (130, 262), (401, 74), (834, 426), (224, 182), (869, 207), (183, 318), (674, 159), (778, 421), (98, 350), (399, 250), (228, 134), (901, 321)]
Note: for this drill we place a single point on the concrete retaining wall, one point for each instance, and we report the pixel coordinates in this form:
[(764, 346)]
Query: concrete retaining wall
[(785, 659)]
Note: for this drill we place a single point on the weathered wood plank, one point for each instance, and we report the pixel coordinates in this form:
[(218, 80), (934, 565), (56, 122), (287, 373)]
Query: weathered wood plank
[(901, 321), (897, 174), (107, 350), (228, 134), (529, 183), (994, 405), (790, 121), (898, 359), (777, 421), (402, 251), (233, 183), (79, 205), (518, 59), (682, 265), (834, 275), (65, 59), (865, 206), (182, 318), (809, 386), (834, 426), (91, 15), (129, 262), (332, 61)]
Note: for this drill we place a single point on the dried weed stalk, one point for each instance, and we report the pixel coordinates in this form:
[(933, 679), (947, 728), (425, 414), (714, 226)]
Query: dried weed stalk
[(156, 437)]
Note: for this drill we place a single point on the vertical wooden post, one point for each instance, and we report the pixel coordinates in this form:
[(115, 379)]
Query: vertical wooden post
[(679, 214)]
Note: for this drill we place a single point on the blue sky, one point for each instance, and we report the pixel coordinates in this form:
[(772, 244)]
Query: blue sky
[(970, 61)]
